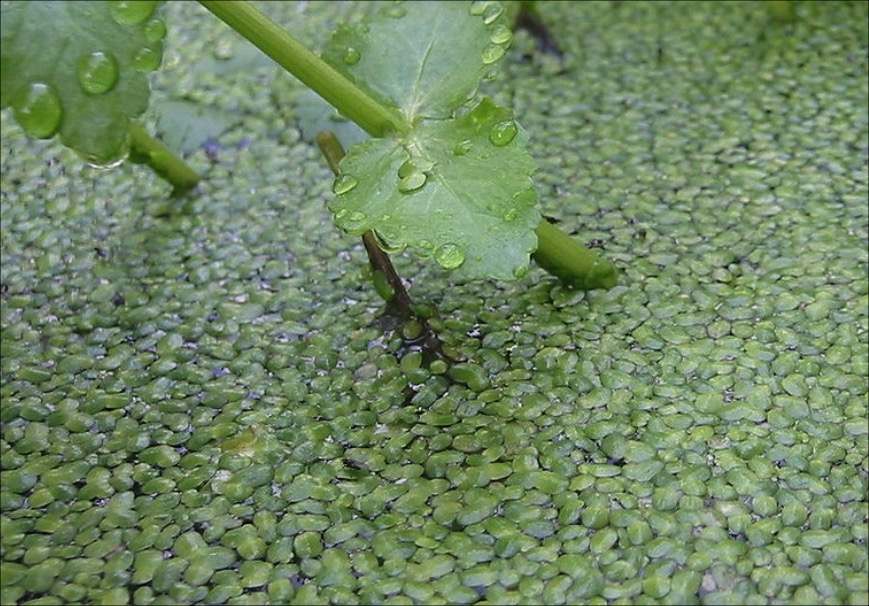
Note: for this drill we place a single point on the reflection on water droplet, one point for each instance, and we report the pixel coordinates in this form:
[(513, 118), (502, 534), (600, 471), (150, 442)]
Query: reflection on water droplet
[(492, 12), (108, 164), (147, 59), (352, 56), (133, 11), (344, 183), (449, 256), (511, 214), (97, 73), (37, 109), (154, 30), (493, 52), (520, 271), (502, 133), (501, 35), (462, 147), (411, 182)]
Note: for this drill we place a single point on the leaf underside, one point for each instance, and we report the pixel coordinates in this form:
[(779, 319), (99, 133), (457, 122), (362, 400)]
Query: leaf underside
[(457, 188), (46, 46)]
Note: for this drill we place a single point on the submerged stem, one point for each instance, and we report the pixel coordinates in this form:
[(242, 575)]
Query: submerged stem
[(572, 263), (146, 149)]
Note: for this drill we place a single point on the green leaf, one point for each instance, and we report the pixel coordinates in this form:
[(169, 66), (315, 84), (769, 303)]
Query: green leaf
[(424, 58), (80, 69), (458, 190)]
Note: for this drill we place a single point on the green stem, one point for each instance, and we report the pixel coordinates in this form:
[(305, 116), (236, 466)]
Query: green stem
[(350, 100), (147, 150), (571, 262)]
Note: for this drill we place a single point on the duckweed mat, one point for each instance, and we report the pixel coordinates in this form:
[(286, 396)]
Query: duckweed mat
[(202, 408)]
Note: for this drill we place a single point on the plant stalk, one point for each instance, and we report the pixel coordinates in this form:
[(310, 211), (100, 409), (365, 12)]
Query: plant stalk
[(342, 94), (145, 149), (571, 262)]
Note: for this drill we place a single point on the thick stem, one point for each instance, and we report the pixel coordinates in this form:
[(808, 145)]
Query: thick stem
[(572, 263), (350, 100), (147, 150)]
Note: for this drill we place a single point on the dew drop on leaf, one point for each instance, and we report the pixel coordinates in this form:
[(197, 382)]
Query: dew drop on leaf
[(492, 12), (37, 109), (462, 147), (501, 35), (355, 221), (352, 56), (520, 271), (479, 6), (449, 256), (511, 214), (344, 183), (493, 52), (223, 50), (132, 12), (425, 247), (412, 182), (154, 30), (502, 133), (396, 12), (407, 167), (147, 60), (97, 72)]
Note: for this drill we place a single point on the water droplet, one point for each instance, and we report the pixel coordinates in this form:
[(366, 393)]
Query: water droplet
[(352, 56), (526, 198), (493, 52), (462, 147), (425, 247), (223, 50), (355, 222), (501, 35), (341, 214), (479, 6), (396, 12), (154, 30), (511, 214), (520, 271), (37, 109), (344, 183), (147, 59), (406, 168), (503, 132), (492, 12), (97, 73), (411, 182), (132, 12), (388, 243), (449, 256)]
